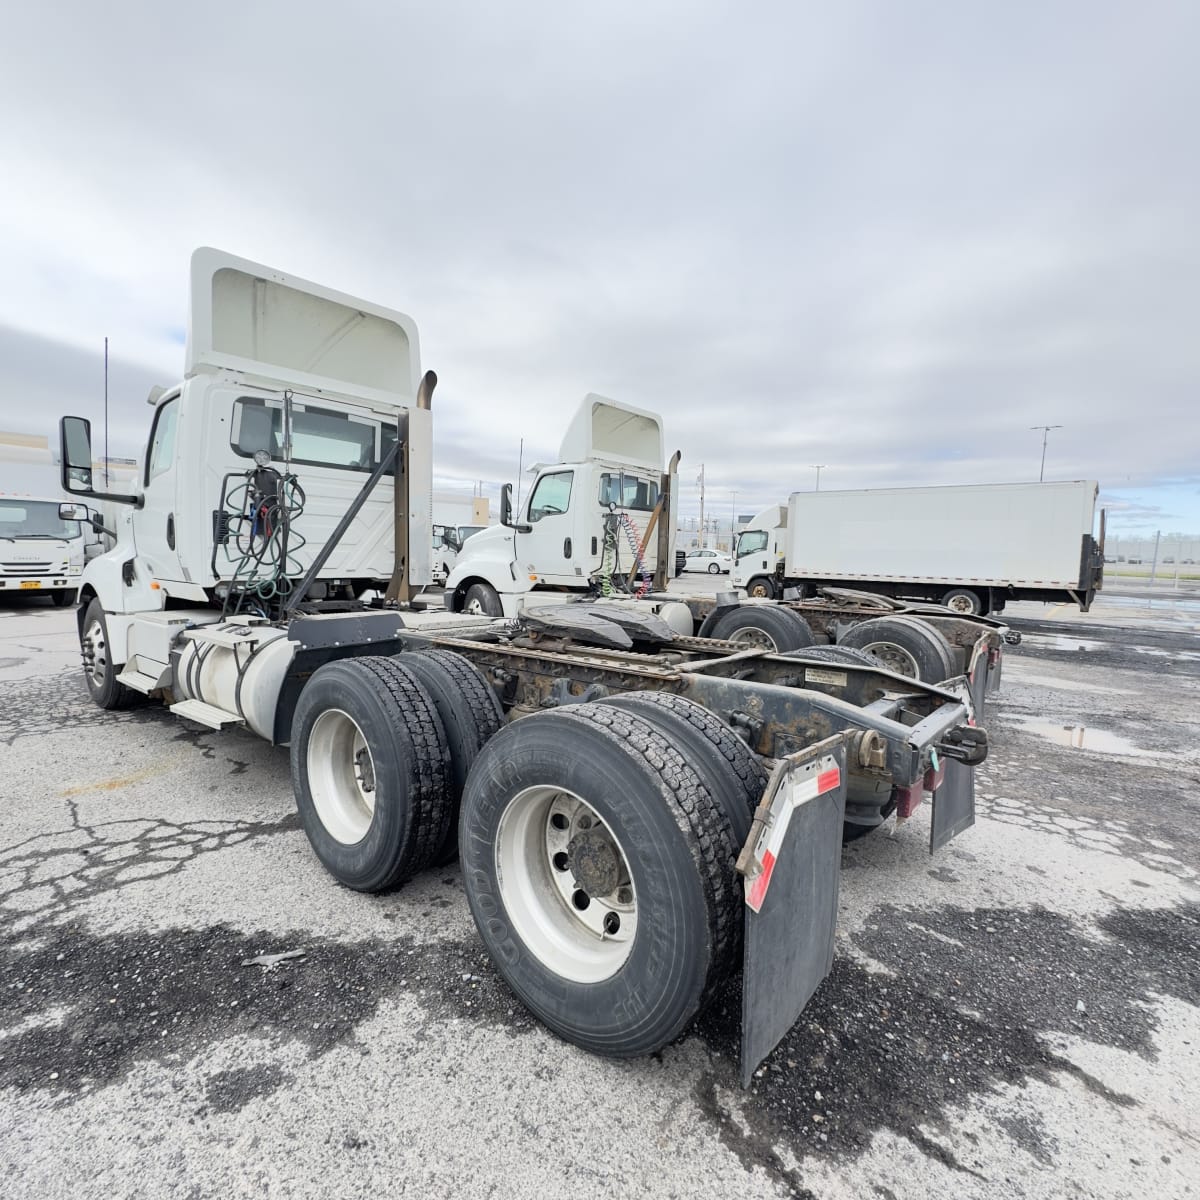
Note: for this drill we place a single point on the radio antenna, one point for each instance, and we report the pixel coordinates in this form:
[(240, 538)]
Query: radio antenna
[(106, 414)]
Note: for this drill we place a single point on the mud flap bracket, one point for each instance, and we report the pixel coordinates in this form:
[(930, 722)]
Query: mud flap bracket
[(790, 866)]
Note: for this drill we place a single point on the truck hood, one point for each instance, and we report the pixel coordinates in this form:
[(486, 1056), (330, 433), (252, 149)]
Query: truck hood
[(492, 543)]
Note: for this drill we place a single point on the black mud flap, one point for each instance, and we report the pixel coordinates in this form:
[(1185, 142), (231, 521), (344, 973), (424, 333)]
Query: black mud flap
[(953, 804), (791, 863)]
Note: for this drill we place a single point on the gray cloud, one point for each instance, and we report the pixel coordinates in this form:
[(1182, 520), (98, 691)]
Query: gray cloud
[(885, 238)]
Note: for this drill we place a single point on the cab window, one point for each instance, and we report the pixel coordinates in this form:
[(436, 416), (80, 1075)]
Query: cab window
[(551, 495), (162, 440), (627, 491), (321, 437)]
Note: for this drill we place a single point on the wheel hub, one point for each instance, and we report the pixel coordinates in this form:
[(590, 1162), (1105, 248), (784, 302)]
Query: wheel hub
[(593, 860), (757, 638), (566, 884)]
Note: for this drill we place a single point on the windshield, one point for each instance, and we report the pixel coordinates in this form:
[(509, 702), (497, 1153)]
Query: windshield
[(751, 542), (466, 531), (35, 519)]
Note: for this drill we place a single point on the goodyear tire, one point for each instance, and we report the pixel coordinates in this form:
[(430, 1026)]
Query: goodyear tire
[(904, 645), (368, 756), (732, 772), (764, 625), (599, 872), (470, 715)]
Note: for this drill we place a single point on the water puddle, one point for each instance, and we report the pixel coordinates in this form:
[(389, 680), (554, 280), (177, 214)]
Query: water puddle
[(1015, 669), (1081, 737), (1183, 655), (1059, 641)]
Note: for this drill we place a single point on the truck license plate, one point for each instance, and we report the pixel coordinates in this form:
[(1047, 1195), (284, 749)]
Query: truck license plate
[(30, 583)]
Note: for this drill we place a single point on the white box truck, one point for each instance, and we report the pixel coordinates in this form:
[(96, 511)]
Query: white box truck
[(41, 554), (971, 548)]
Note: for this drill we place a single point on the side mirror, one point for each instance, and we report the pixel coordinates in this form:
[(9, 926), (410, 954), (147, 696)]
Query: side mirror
[(75, 445), (506, 514), (74, 512), (75, 453)]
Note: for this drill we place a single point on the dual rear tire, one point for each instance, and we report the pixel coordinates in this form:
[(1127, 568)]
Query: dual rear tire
[(381, 748), (598, 845), (597, 840)]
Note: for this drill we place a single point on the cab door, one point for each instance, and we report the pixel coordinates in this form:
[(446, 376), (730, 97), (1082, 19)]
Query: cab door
[(548, 549), (155, 523)]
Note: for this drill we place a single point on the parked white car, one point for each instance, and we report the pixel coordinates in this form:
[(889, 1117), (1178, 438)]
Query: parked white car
[(712, 561)]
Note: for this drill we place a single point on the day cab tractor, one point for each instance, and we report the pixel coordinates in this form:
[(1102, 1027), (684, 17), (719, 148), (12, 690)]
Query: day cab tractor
[(639, 813)]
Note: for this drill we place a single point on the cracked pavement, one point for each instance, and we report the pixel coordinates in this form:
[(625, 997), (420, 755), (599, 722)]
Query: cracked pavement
[(1016, 1016)]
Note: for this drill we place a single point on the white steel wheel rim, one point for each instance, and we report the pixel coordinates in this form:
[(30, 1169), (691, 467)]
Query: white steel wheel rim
[(713, 569), (475, 608), (759, 591), (580, 936), (895, 658), (341, 776), (95, 656), (961, 604), (758, 638)]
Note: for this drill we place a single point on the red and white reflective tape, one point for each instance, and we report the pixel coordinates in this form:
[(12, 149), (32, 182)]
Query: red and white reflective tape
[(791, 795)]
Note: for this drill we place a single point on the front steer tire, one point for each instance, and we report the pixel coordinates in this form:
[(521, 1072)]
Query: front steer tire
[(368, 755), (482, 600), (99, 670), (673, 845)]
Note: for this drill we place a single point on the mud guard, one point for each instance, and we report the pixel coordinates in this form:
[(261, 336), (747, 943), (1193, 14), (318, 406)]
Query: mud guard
[(953, 804), (791, 864)]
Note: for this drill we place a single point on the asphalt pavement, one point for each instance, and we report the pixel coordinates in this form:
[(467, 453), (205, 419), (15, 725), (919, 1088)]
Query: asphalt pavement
[(1013, 1016)]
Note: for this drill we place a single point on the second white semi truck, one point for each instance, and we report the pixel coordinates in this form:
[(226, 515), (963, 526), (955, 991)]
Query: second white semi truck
[(970, 548)]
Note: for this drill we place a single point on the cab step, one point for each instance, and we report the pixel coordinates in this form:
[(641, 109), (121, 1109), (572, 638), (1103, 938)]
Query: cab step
[(205, 714), (139, 681)]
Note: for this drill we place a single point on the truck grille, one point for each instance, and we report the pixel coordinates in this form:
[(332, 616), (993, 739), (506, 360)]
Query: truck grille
[(25, 568)]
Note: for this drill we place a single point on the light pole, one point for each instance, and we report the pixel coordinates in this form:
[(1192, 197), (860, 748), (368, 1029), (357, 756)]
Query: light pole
[(1045, 434), (817, 467)]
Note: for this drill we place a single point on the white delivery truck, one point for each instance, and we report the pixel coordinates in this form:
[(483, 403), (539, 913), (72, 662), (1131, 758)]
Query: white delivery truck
[(41, 553), (666, 811), (971, 548)]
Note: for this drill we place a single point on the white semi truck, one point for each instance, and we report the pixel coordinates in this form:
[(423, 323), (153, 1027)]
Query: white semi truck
[(594, 522), (666, 810), (970, 548), (600, 523)]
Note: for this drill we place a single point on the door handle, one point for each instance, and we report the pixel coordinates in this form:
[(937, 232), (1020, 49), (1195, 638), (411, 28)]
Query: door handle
[(171, 530), (566, 547)]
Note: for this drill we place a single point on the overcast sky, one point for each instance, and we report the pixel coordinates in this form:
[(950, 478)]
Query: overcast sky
[(884, 237)]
